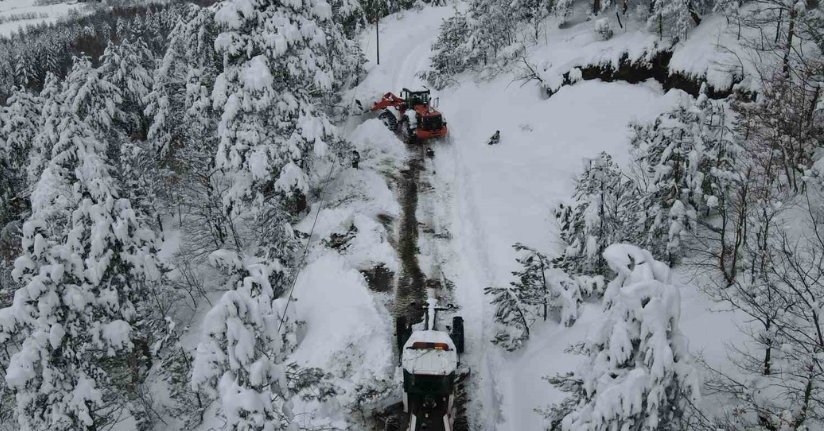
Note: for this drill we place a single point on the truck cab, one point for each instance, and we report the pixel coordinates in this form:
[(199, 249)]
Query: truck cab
[(429, 359)]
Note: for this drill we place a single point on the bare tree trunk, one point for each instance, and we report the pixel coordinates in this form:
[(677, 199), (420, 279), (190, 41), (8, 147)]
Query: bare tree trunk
[(788, 49), (778, 24), (543, 278)]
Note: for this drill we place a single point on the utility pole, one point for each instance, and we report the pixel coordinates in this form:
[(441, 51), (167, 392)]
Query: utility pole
[(378, 36)]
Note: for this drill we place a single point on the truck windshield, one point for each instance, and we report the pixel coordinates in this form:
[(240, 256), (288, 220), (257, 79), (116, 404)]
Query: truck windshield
[(415, 99), (430, 384), (434, 122)]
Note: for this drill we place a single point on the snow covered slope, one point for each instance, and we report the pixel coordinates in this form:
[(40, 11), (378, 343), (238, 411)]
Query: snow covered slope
[(12, 10)]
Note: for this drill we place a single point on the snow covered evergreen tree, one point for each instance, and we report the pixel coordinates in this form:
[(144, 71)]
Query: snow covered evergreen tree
[(599, 215), (638, 375), (182, 84), (95, 101), (244, 341), (18, 126), (533, 13), (87, 258), (563, 9), (127, 65), (452, 51), (485, 35), (529, 298), (687, 157), (670, 18), (48, 134), (270, 91)]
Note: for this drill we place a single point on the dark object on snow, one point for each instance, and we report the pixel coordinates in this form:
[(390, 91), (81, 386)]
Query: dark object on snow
[(458, 334), (495, 138), (355, 159), (402, 332), (430, 152)]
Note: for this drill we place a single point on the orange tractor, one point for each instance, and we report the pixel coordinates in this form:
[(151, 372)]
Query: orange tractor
[(417, 119)]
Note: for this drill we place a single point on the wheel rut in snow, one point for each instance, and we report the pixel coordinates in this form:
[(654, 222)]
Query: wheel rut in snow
[(411, 288)]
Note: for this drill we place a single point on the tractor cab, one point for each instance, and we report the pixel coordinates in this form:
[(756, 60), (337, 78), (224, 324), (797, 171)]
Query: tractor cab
[(415, 98), (411, 115), (429, 359)]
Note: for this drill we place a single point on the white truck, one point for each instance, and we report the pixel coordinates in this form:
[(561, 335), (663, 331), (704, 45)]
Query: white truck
[(430, 361)]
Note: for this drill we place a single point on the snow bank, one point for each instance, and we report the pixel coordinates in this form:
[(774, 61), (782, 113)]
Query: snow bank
[(344, 328), (379, 148), (712, 51)]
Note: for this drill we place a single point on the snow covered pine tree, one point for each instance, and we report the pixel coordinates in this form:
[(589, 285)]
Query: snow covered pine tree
[(688, 159), (86, 260), (18, 126), (518, 305), (282, 66), (638, 375)]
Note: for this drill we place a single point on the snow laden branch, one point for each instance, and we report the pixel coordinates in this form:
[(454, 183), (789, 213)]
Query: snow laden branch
[(638, 374), (239, 358), (536, 293)]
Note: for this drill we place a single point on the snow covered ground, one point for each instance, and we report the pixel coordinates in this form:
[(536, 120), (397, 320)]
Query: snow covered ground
[(475, 201), (44, 13), (489, 197)]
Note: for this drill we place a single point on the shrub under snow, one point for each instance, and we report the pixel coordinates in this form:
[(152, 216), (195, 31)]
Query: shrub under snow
[(603, 29)]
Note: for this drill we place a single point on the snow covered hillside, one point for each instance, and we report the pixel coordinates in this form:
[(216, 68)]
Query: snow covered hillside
[(15, 14)]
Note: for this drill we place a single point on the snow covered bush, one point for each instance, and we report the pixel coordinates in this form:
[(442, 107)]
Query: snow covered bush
[(535, 293), (603, 29), (687, 159), (638, 374)]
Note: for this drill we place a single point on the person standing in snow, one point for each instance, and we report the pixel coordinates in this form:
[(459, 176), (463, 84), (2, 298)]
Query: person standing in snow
[(495, 138), (355, 159)]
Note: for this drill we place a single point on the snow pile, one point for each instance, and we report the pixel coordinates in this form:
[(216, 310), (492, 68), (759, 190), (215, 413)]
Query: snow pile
[(347, 331), (603, 29), (341, 318), (713, 51), (379, 148)]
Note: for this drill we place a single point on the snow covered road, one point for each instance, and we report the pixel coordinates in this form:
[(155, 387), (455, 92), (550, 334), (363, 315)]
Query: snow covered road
[(475, 200)]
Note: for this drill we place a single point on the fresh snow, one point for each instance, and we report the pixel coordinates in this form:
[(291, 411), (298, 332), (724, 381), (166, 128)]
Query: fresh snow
[(489, 197)]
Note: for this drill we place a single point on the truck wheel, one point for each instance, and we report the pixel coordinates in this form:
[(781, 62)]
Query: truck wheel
[(401, 334), (389, 120), (458, 333)]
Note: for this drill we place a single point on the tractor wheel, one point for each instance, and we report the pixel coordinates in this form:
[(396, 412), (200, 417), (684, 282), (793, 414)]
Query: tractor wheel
[(409, 135), (458, 333), (401, 334), (389, 120)]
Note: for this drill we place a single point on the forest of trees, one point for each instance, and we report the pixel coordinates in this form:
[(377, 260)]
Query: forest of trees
[(121, 123)]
